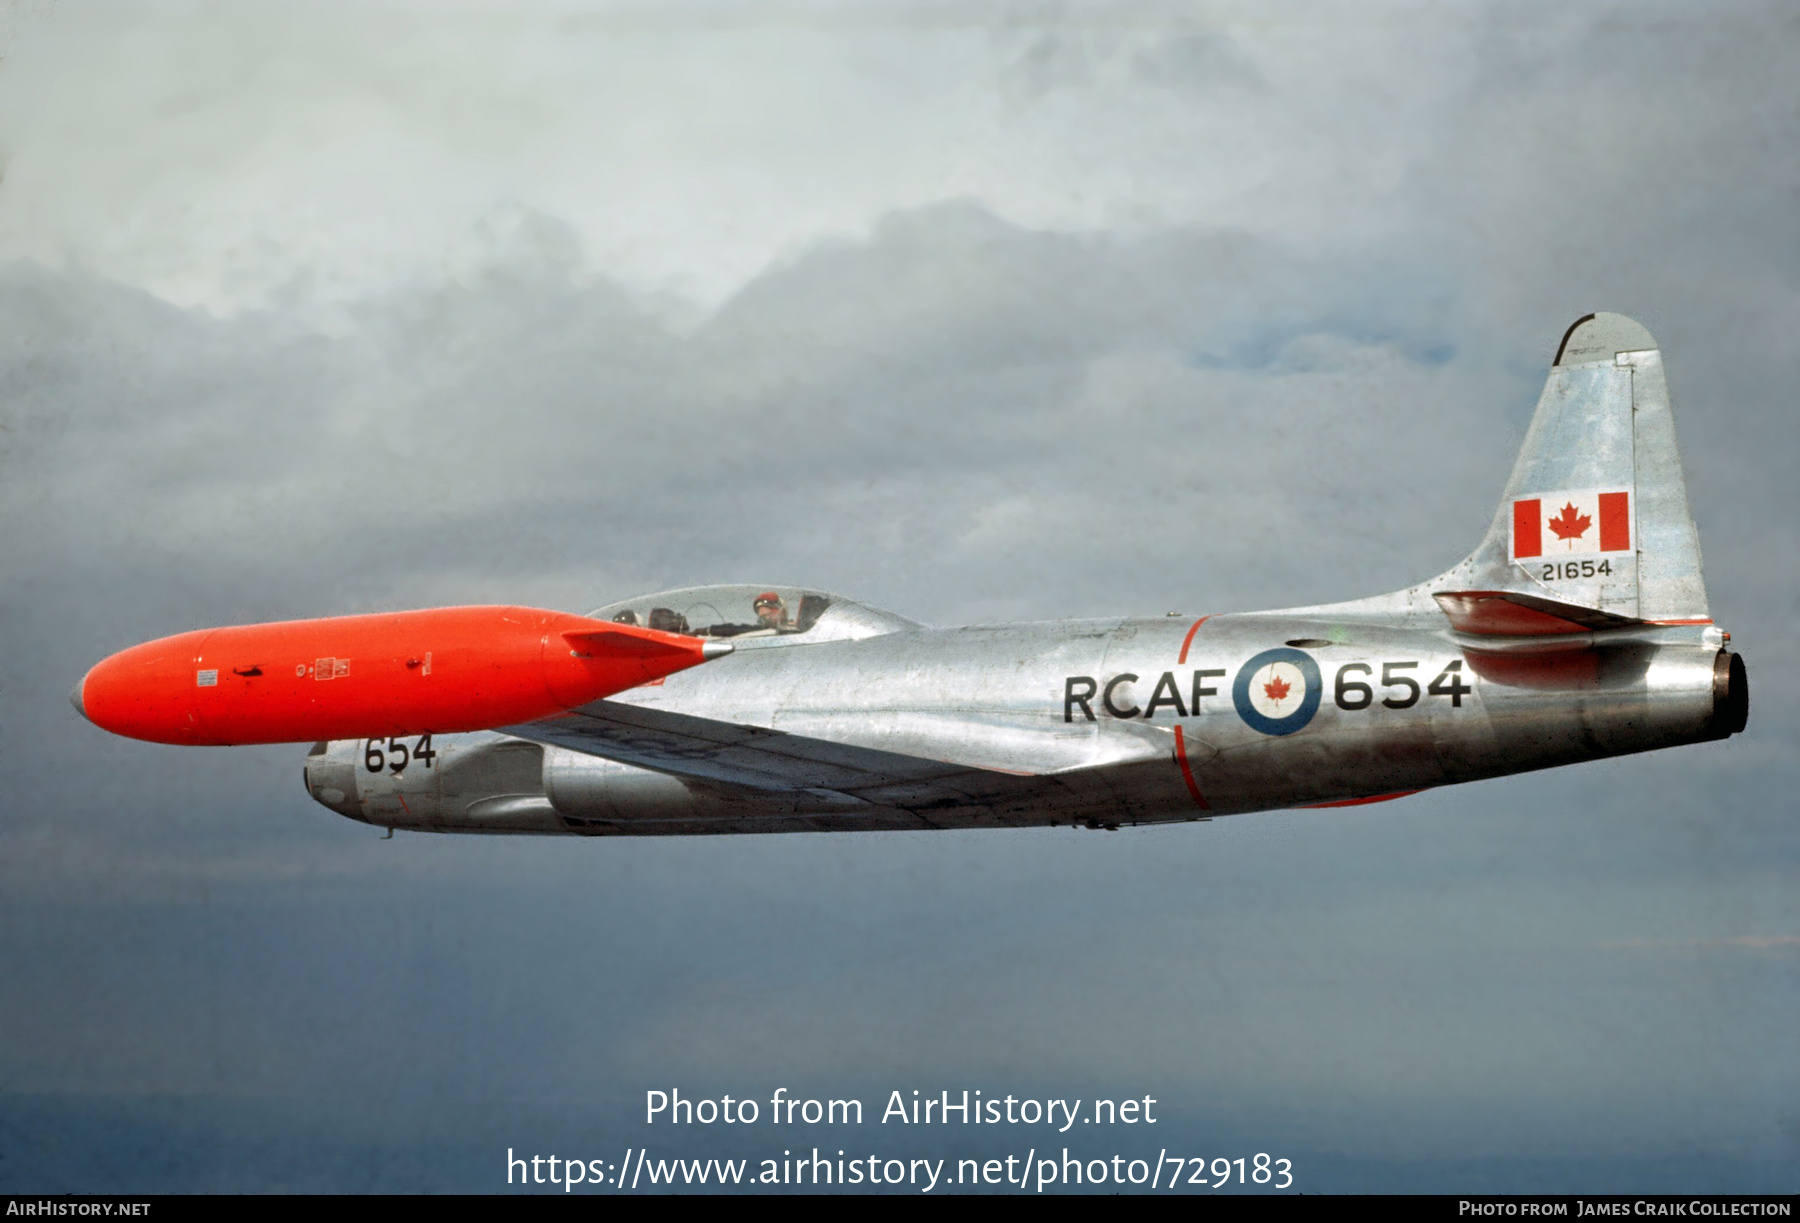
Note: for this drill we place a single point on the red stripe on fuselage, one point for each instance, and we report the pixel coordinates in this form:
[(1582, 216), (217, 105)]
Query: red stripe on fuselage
[(1187, 774), (1189, 639)]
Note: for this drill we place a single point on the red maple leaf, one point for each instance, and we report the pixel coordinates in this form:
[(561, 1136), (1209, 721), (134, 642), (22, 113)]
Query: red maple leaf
[(1277, 688), (1569, 524)]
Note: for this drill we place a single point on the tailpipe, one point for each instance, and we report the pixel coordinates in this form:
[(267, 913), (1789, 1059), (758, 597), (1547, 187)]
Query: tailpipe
[(1731, 696)]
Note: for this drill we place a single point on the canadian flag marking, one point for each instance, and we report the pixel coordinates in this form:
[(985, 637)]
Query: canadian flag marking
[(1581, 522)]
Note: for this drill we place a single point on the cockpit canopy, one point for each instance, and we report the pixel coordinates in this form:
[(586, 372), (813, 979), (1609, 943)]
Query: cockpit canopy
[(754, 614)]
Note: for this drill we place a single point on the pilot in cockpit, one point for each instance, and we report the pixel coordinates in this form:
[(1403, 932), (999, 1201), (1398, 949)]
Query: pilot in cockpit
[(771, 613), (771, 617)]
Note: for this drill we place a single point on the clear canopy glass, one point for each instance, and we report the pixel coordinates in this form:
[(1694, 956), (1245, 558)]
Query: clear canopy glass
[(753, 613)]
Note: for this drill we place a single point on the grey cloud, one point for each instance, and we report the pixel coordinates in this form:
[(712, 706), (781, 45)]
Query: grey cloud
[(536, 422), (1044, 49), (1199, 60)]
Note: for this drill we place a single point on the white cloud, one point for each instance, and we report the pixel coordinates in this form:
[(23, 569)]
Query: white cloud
[(226, 157)]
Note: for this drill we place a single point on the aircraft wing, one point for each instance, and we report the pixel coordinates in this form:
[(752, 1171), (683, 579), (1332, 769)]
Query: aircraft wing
[(705, 749)]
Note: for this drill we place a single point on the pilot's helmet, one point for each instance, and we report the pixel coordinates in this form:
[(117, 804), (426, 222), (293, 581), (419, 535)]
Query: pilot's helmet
[(767, 598)]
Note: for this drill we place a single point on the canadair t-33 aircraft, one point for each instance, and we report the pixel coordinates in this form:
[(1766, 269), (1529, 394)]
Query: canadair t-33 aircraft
[(1577, 629)]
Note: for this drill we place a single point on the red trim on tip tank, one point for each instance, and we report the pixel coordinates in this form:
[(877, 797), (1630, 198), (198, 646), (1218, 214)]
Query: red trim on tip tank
[(1181, 759)]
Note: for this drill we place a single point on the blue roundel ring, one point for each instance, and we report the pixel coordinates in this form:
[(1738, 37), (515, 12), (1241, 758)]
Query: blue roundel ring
[(1309, 704)]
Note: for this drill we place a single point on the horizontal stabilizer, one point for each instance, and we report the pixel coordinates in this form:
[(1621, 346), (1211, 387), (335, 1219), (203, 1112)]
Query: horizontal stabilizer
[(1506, 613)]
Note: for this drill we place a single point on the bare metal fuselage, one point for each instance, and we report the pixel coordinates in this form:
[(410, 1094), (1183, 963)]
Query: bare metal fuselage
[(1099, 722)]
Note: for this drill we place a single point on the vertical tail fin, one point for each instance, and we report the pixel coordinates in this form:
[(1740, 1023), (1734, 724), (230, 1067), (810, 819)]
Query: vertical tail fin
[(1596, 513)]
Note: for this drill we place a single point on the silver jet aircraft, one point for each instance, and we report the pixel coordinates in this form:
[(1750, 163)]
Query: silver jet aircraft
[(1578, 628)]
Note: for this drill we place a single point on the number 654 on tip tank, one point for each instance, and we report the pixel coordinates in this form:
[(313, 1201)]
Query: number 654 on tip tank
[(1578, 628)]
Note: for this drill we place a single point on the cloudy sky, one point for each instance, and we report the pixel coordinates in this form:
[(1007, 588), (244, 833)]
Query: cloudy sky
[(974, 311)]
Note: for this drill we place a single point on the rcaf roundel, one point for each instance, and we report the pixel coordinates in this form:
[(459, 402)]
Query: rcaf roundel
[(1278, 691), (1585, 522)]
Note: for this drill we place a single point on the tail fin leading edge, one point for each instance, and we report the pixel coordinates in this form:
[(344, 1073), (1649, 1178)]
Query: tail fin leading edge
[(1596, 513)]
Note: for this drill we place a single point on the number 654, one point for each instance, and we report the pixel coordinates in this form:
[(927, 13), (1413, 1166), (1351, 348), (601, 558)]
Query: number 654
[(393, 754)]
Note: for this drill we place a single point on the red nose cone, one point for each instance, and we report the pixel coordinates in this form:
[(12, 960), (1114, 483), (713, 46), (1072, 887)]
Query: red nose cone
[(146, 692)]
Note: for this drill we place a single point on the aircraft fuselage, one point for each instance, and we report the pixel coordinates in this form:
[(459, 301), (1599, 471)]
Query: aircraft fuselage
[(1101, 722)]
